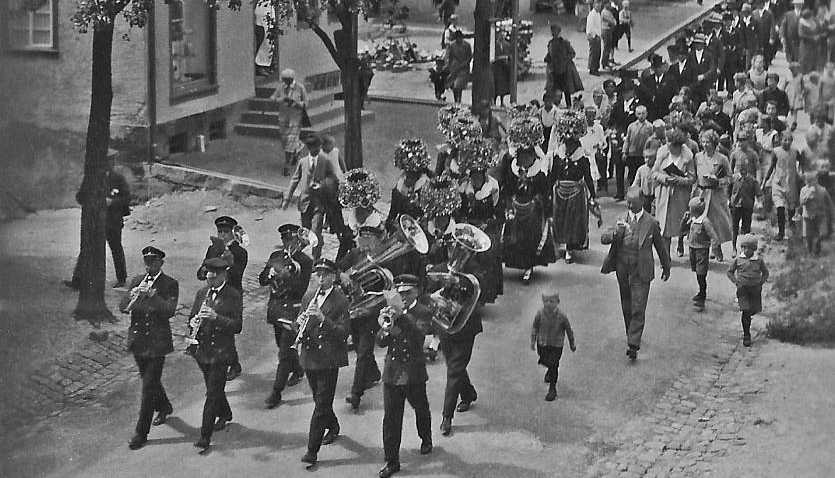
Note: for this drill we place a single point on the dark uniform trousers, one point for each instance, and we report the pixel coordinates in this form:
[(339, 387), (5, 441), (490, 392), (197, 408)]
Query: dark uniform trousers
[(154, 398), (288, 358), (366, 369), (216, 405), (457, 352), (394, 400), (323, 384)]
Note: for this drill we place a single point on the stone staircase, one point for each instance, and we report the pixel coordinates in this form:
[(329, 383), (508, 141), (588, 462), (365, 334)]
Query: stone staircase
[(325, 111)]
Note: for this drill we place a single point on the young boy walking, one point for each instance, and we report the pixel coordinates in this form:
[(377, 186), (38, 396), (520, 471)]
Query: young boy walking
[(745, 188), (748, 272), (817, 209), (699, 238), (643, 178), (550, 326)]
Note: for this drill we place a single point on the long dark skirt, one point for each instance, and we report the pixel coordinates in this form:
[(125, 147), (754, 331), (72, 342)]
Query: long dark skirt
[(526, 239), (571, 215), (501, 78), (487, 267)]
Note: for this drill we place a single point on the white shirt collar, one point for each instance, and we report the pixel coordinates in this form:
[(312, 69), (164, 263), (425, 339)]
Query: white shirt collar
[(636, 215), (218, 289), (488, 188)]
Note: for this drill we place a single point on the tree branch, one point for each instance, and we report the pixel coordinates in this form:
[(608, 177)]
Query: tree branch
[(337, 58)]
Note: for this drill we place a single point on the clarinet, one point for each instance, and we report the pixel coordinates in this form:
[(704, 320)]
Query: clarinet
[(304, 317), (191, 340)]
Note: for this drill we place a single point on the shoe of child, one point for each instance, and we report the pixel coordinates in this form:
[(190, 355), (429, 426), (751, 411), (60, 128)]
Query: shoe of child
[(551, 396), (746, 341)]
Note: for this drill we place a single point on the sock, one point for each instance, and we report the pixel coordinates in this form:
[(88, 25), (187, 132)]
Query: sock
[(702, 280)]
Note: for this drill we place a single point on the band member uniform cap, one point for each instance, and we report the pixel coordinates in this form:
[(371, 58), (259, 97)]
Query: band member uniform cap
[(215, 264), (370, 231), (326, 265), (405, 282), (225, 221), (151, 252), (288, 228)]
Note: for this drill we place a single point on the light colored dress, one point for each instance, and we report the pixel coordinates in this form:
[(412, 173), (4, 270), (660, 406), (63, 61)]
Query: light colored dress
[(716, 199), (671, 200)]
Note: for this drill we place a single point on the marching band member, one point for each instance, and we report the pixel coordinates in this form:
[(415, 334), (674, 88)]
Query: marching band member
[(572, 198), (404, 374), (215, 318), (323, 351), (289, 283), (227, 246), (364, 325), (151, 303)]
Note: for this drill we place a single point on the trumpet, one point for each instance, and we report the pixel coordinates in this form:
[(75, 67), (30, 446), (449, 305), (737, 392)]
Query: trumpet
[(139, 293), (304, 319), (205, 311)]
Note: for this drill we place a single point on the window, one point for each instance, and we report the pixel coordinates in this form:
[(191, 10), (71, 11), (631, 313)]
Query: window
[(193, 44), (32, 25)]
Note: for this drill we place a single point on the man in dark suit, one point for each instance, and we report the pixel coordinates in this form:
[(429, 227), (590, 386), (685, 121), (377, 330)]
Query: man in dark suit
[(623, 114), (789, 31), (767, 31), (216, 316), (317, 183), (630, 256), (226, 246), (151, 303), (404, 373), (729, 63), (657, 88), (323, 352), (703, 67), (749, 35), (364, 324), (288, 278), (559, 62), (117, 202)]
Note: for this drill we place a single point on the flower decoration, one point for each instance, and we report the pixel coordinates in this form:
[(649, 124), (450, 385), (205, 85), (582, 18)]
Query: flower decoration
[(463, 128), (572, 124), (359, 189), (525, 132), (411, 155), (440, 197), (476, 155), (447, 114)]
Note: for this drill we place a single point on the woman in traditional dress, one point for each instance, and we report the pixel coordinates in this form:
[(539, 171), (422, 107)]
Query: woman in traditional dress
[(412, 158), (441, 203), (480, 207), (674, 172), (359, 192), (714, 175), (574, 187)]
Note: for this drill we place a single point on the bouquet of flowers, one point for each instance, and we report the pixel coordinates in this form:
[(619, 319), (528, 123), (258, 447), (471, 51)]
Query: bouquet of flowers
[(572, 124), (464, 128), (359, 189), (447, 114), (411, 155), (525, 132), (440, 197), (476, 155)]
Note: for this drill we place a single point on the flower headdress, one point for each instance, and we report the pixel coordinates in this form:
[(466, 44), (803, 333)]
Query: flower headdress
[(440, 197), (411, 155), (525, 132), (463, 128), (572, 124), (359, 189), (476, 155), (446, 115)]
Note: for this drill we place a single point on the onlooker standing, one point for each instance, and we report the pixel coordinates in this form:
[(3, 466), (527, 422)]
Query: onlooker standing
[(626, 23), (594, 34), (562, 74), (458, 56), (294, 95), (817, 207), (609, 23), (789, 31), (637, 134)]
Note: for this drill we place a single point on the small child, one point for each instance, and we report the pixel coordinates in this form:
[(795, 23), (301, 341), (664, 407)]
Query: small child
[(817, 209), (548, 117), (438, 76), (699, 238), (643, 178), (743, 191), (749, 273), (550, 326), (626, 23)]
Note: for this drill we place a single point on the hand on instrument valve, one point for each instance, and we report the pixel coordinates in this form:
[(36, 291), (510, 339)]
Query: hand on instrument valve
[(194, 321)]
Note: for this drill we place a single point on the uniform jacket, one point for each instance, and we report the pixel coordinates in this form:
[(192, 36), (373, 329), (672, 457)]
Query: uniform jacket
[(405, 362), (235, 275), (649, 236), (286, 302), (149, 334), (304, 176), (217, 337), (326, 347)]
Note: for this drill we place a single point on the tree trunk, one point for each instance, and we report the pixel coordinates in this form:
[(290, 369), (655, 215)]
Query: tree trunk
[(92, 261), (482, 69), (351, 89)]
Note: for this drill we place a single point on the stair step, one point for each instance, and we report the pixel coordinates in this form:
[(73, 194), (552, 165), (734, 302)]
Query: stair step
[(274, 131), (261, 130), (317, 115), (314, 98)]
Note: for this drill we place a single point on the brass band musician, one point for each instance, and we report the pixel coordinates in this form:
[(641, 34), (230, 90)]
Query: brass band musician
[(151, 303), (288, 273)]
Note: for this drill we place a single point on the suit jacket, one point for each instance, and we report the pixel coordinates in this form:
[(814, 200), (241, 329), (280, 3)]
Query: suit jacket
[(560, 53), (657, 96), (325, 346), (766, 28), (706, 67), (750, 37), (118, 192), (649, 236), (405, 362), (149, 334), (236, 270), (789, 28), (729, 42), (217, 337), (304, 177), (623, 116), (285, 303)]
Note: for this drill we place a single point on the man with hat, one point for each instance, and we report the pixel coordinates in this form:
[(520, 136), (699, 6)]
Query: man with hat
[(766, 31), (225, 246), (317, 182), (657, 88), (630, 257), (363, 324), (287, 272), (292, 95), (703, 67), (623, 114), (215, 318), (749, 35), (402, 331), (729, 61), (789, 31), (323, 353), (151, 303)]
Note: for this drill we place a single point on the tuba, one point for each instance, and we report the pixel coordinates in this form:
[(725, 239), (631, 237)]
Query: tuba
[(285, 265), (456, 293), (368, 279)]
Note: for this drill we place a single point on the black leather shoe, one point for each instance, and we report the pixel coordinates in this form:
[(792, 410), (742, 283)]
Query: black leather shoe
[(354, 401), (446, 427), (162, 417), (119, 284), (389, 469), (309, 458), (632, 354), (295, 379), (71, 284), (273, 400), (220, 424), (425, 447), (330, 436), (551, 395), (137, 442), (463, 406), (202, 443)]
